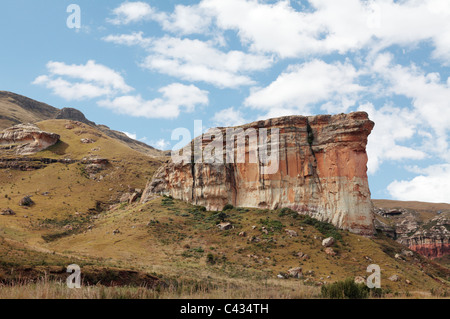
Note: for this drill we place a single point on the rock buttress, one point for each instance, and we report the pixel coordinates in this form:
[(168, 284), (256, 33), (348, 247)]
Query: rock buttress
[(322, 172)]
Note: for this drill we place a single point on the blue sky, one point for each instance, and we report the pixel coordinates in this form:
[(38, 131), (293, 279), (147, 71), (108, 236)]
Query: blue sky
[(148, 67)]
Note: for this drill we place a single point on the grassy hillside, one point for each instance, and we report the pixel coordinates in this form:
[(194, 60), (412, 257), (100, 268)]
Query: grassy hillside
[(63, 191), (173, 248), (16, 109)]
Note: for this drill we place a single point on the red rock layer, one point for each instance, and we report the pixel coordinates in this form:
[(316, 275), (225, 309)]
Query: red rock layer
[(435, 250)]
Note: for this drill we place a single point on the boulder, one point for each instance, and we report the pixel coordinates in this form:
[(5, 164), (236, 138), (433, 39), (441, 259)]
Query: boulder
[(394, 278), (7, 212), (295, 272), (26, 201), (125, 197), (291, 233), (328, 242), (359, 280), (87, 141), (133, 197), (225, 226), (330, 251)]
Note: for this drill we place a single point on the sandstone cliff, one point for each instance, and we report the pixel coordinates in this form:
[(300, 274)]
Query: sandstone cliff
[(27, 139), (322, 172)]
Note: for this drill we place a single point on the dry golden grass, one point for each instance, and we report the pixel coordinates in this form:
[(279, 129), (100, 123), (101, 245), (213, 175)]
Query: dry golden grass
[(417, 206), (45, 289)]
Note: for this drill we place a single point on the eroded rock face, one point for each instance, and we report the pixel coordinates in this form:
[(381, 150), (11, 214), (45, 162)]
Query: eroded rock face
[(431, 240), (27, 139), (322, 172)]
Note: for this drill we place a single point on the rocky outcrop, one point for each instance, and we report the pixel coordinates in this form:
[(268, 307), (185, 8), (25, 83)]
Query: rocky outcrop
[(68, 113), (16, 109), (431, 240), (27, 139), (322, 172)]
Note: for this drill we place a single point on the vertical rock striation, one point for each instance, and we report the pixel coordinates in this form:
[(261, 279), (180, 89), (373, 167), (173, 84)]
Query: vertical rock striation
[(322, 172)]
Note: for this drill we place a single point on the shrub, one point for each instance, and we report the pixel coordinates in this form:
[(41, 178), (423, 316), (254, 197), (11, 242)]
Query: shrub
[(346, 289), (222, 216), (276, 225), (327, 229), (210, 259), (288, 212), (228, 207)]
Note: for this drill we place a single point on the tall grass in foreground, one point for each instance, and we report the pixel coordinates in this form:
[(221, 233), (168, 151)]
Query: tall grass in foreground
[(45, 289)]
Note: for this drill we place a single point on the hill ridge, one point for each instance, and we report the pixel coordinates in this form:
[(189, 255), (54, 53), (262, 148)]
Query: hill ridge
[(17, 109)]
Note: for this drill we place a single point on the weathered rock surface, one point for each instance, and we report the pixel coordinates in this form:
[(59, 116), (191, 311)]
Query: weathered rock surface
[(68, 113), (295, 272), (26, 201), (322, 172), (430, 239), (7, 212), (328, 242), (27, 139)]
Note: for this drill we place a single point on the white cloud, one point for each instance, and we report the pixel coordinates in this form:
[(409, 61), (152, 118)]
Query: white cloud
[(78, 82), (327, 27), (135, 38), (433, 186), (275, 28), (186, 20), (175, 98), (392, 126), (301, 86), (430, 98), (334, 26), (195, 60), (129, 12), (131, 135), (161, 144), (229, 117)]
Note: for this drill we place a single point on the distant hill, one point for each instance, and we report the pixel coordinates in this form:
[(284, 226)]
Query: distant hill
[(16, 109)]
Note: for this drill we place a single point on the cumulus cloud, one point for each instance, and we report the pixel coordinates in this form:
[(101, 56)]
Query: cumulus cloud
[(429, 94), (175, 98), (129, 12), (326, 27), (195, 60), (161, 144), (432, 186), (301, 86), (78, 82), (229, 117), (334, 26), (393, 126), (135, 38), (186, 20)]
